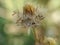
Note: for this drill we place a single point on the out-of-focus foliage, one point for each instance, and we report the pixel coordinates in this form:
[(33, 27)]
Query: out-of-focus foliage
[(44, 2), (3, 38), (3, 35), (2, 5)]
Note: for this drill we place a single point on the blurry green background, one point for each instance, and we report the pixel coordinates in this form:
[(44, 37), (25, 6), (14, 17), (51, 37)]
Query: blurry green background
[(10, 34)]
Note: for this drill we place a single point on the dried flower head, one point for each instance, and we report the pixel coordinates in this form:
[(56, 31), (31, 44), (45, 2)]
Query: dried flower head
[(30, 16)]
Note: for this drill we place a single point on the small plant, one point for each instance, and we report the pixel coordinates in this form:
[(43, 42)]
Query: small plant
[(31, 17)]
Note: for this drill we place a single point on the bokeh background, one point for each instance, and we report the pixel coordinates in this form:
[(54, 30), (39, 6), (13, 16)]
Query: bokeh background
[(10, 34)]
